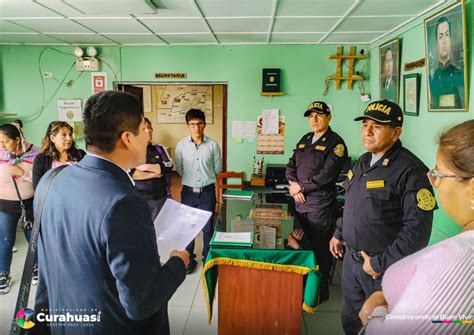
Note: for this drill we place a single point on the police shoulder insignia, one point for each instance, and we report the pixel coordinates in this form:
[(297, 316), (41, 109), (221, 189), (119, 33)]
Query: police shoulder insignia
[(339, 150), (426, 200)]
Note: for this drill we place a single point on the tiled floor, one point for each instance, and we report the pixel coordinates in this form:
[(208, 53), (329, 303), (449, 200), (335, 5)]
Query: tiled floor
[(187, 308)]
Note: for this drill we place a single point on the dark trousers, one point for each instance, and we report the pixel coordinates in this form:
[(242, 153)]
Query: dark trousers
[(318, 232), (357, 286), (206, 201), (156, 206)]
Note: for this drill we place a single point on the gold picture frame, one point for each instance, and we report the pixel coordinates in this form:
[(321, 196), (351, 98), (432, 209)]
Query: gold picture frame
[(389, 71), (446, 60)]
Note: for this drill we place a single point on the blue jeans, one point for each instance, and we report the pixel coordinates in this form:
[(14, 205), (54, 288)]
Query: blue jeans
[(8, 223), (205, 201)]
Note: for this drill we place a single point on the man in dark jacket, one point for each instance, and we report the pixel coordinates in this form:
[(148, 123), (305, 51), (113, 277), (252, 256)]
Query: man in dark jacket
[(312, 173), (101, 272), (388, 209)]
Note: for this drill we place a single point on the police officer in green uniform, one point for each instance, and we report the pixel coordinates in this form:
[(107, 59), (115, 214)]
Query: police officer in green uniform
[(388, 209), (312, 172), (447, 79)]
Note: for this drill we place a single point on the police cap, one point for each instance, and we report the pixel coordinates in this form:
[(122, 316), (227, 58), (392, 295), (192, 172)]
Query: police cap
[(384, 112), (319, 107)]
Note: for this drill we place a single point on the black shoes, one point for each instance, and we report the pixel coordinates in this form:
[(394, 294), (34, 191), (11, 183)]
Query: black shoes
[(191, 266)]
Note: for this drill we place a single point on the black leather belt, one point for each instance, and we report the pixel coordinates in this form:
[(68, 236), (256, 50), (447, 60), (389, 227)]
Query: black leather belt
[(356, 256), (206, 188)]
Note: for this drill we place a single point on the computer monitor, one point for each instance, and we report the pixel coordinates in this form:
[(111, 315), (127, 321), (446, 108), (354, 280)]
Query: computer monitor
[(275, 175)]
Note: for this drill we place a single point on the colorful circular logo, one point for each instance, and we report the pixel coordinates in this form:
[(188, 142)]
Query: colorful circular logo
[(24, 317)]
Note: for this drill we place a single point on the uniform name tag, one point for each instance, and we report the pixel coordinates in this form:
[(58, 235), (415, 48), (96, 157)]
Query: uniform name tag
[(300, 146), (320, 148), (375, 184)]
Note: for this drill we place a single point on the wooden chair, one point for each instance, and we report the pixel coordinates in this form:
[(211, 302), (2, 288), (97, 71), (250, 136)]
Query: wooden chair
[(221, 183)]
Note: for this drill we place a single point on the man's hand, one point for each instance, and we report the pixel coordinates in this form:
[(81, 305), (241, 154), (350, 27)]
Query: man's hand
[(335, 247), (299, 198), (297, 234), (294, 188), (183, 254), (376, 299), (294, 238), (367, 267)]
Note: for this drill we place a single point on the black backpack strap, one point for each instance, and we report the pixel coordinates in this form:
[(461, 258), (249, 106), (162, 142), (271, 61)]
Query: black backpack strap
[(25, 285)]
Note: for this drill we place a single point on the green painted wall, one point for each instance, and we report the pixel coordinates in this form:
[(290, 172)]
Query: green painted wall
[(304, 69), (420, 133)]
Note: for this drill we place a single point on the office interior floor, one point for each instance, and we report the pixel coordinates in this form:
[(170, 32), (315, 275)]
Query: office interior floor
[(187, 308)]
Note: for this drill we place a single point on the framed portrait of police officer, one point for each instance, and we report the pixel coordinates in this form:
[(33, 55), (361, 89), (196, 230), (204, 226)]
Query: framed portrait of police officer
[(390, 70), (446, 65)]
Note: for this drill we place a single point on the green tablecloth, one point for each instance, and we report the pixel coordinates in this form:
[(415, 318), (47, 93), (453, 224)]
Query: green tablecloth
[(301, 262)]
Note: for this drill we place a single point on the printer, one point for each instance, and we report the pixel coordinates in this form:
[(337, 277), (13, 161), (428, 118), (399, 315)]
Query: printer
[(275, 175)]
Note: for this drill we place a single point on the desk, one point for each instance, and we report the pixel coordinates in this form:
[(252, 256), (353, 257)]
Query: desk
[(260, 290)]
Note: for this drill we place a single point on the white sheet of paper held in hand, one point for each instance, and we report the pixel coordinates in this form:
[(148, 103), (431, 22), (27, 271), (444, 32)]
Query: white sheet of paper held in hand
[(176, 225)]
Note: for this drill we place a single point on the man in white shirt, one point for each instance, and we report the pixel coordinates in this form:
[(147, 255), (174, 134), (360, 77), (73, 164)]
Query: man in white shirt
[(198, 161)]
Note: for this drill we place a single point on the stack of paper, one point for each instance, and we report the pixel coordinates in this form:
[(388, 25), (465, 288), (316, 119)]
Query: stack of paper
[(238, 194), (232, 239)]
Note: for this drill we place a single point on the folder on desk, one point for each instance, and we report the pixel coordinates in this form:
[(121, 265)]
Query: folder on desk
[(241, 239), (238, 194)]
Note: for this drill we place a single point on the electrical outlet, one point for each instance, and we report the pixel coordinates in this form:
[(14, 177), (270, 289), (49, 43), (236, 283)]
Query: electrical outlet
[(87, 64), (48, 75)]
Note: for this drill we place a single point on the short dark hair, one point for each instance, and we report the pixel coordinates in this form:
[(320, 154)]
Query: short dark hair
[(441, 20), (18, 122), (107, 115), (195, 113), (10, 131), (456, 146), (387, 50)]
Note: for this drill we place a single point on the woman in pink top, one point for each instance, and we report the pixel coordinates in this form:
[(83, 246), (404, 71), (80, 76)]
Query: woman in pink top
[(16, 163), (431, 291)]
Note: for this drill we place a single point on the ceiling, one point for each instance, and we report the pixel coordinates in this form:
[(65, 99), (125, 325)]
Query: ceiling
[(162, 22)]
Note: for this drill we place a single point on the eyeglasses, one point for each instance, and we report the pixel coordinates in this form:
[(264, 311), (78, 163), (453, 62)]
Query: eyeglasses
[(317, 116), (196, 124), (435, 177)]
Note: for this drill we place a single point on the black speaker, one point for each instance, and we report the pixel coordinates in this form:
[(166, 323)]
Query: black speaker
[(271, 80)]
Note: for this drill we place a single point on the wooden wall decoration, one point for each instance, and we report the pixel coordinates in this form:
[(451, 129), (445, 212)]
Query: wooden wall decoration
[(339, 75)]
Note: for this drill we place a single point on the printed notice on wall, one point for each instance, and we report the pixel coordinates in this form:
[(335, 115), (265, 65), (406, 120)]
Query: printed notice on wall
[(243, 129), (271, 143), (69, 110), (270, 121)]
